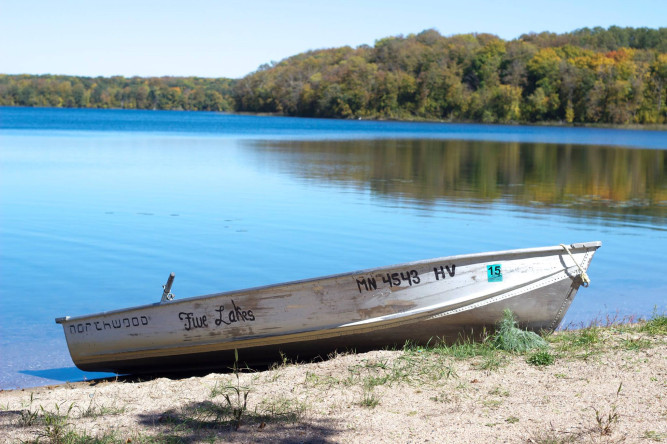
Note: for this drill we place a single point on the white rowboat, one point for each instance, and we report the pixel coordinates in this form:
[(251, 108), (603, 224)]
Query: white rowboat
[(419, 301)]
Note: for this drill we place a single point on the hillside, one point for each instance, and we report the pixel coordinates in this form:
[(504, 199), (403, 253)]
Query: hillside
[(588, 76), (615, 76)]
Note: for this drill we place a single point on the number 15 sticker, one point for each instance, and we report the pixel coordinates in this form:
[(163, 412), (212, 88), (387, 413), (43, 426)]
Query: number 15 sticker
[(494, 273)]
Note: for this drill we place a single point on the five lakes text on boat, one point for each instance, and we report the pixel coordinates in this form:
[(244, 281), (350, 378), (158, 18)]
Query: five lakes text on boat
[(419, 301)]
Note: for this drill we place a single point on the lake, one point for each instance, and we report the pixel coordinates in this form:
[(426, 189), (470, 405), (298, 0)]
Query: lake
[(97, 207)]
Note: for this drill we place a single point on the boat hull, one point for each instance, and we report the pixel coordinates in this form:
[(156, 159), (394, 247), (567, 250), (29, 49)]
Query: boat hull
[(419, 302)]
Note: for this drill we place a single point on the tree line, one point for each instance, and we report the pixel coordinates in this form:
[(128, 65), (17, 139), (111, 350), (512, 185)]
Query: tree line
[(164, 93), (610, 76)]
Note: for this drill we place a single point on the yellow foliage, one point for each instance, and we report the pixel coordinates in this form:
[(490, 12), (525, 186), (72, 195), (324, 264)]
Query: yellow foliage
[(544, 61), (315, 78), (569, 112)]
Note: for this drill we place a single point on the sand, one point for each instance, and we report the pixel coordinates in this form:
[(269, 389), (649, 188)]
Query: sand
[(612, 389)]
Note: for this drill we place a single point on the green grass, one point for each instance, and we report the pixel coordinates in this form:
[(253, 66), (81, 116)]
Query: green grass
[(28, 417), (315, 380), (654, 436), (94, 410), (606, 421), (429, 365), (541, 358), (280, 409), (552, 437), (483, 354), (235, 396), (492, 403), (657, 325), (74, 437), (200, 418), (499, 391), (466, 349), (593, 340), (371, 381), (427, 368), (581, 343), (636, 344), (493, 361), (511, 338), (56, 424), (154, 439), (369, 399), (414, 366)]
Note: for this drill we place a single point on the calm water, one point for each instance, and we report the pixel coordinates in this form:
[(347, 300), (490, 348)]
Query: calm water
[(98, 206)]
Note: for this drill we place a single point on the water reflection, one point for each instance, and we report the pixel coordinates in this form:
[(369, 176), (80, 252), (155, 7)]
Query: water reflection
[(600, 179)]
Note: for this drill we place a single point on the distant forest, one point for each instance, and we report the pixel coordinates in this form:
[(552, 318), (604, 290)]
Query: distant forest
[(605, 76)]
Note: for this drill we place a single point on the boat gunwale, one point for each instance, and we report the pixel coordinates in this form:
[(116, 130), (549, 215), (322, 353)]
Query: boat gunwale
[(515, 252)]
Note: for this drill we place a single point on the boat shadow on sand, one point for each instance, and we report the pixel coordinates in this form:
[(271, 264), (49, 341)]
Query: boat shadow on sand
[(208, 419)]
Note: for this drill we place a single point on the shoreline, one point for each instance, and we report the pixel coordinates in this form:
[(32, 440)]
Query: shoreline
[(596, 384), (413, 119)]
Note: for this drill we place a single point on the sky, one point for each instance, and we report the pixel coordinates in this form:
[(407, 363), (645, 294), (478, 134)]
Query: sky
[(231, 38)]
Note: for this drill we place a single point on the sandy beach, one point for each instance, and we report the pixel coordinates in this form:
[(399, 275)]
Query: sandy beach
[(591, 385)]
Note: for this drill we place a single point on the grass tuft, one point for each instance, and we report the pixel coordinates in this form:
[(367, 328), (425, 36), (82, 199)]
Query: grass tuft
[(369, 399), (656, 325), (93, 410), (552, 437), (605, 422), (281, 409), (541, 358), (56, 425), (235, 395), (510, 337), (28, 417), (654, 436)]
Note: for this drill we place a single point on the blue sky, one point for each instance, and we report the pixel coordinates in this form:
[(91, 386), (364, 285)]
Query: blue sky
[(232, 38)]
